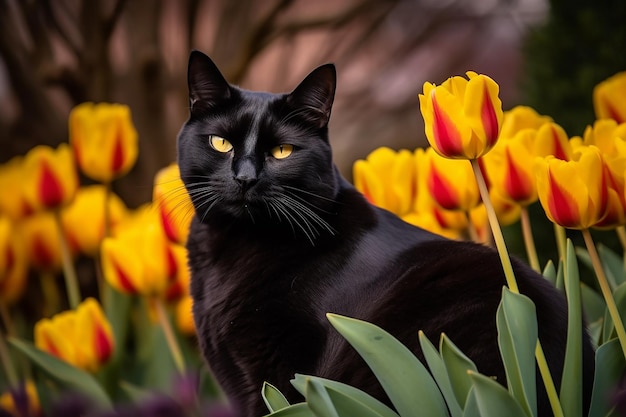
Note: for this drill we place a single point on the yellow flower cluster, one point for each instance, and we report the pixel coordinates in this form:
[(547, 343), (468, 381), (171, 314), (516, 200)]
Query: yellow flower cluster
[(523, 156), (47, 220)]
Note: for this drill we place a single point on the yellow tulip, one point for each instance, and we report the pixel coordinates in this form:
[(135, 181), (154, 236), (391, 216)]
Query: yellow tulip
[(462, 118), (83, 220), (50, 178), (104, 140), (41, 240), (451, 184), (551, 139), (179, 286), (610, 138), (13, 201), (510, 168), (387, 179), (13, 263), (520, 118), (573, 193), (608, 98), (29, 399), (139, 259), (81, 337), (173, 203)]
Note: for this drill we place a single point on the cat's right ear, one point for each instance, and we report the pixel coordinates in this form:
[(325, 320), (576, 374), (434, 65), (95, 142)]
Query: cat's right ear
[(207, 86)]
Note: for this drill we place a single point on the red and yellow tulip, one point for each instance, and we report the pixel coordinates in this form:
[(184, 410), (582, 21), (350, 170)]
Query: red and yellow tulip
[(41, 241), (49, 177), (83, 220), (510, 168), (608, 98), (462, 117), (184, 316), (104, 140), (521, 118), (573, 193), (139, 259), (450, 183), (81, 337), (551, 139), (173, 203)]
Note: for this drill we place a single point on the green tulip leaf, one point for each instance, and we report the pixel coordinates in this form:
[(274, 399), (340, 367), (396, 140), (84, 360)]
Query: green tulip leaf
[(299, 383), (613, 264), (492, 399), (64, 374), (571, 393), (549, 272), (516, 321), (273, 398), (295, 410), (457, 365), (594, 305), (318, 400), (136, 393), (560, 280), (584, 257), (471, 405), (595, 331), (620, 301), (348, 406), (610, 366), (438, 370), (404, 378)]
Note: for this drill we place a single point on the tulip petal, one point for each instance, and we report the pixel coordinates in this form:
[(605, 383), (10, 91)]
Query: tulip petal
[(447, 138)]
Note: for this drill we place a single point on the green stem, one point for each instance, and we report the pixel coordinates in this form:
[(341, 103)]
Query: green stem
[(561, 240), (71, 281), (546, 376), (606, 289), (529, 241), (495, 228), (621, 234), (7, 364), (50, 293), (512, 283), (169, 335)]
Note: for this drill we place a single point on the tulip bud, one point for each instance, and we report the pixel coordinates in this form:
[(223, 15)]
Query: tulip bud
[(50, 179), (387, 179), (573, 193), (462, 118), (551, 139), (520, 118), (83, 220), (608, 98), (104, 140), (139, 259), (451, 184), (41, 240), (81, 337), (173, 203)]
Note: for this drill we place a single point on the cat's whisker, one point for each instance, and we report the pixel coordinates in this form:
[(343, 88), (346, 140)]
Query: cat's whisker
[(288, 212), (304, 210), (299, 190)]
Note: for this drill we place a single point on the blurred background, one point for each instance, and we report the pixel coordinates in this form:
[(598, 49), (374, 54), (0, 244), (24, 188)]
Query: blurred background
[(55, 54)]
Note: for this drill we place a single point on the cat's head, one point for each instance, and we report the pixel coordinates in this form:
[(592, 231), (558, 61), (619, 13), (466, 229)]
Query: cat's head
[(258, 157)]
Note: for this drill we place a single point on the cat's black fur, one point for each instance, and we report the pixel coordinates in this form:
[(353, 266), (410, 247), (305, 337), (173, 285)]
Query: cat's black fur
[(276, 244)]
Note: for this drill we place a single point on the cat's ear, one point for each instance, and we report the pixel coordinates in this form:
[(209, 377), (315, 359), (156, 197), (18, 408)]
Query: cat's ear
[(315, 94), (207, 85)]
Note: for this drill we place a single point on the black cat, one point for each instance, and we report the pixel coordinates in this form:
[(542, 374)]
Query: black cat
[(280, 238)]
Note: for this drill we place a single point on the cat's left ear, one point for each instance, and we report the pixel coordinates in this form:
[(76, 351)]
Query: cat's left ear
[(315, 95), (207, 86)]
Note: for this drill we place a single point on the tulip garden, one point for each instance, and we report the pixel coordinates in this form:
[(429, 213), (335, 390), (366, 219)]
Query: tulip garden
[(110, 331)]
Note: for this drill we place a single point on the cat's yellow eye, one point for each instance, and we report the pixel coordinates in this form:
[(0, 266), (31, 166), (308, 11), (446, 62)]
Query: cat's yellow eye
[(220, 144), (282, 151)]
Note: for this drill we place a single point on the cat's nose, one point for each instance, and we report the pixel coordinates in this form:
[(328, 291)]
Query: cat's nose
[(245, 174)]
